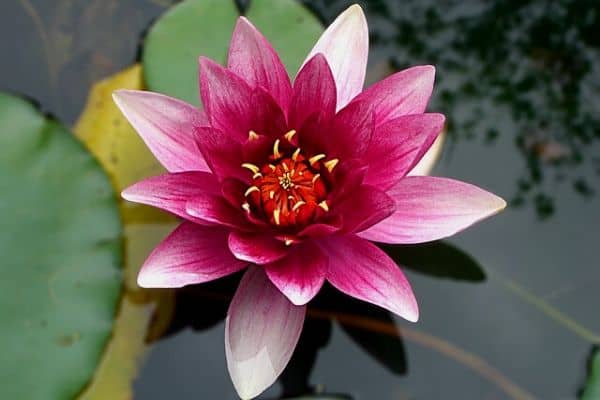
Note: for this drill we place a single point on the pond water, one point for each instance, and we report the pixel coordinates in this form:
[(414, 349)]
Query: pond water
[(509, 308)]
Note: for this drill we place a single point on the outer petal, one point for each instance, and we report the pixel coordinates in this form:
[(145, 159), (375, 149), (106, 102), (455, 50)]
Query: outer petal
[(314, 92), (345, 44), (256, 248), (406, 92), (398, 145), (190, 254), (261, 331), (171, 192), (301, 274), (360, 269), (430, 208), (253, 58), (166, 125), (234, 107)]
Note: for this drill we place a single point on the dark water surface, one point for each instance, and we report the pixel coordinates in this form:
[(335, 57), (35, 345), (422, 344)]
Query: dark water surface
[(520, 85)]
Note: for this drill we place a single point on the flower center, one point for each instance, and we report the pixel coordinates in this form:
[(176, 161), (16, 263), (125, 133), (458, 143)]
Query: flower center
[(288, 190)]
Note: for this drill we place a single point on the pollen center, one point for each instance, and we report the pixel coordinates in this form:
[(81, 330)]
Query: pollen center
[(288, 190)]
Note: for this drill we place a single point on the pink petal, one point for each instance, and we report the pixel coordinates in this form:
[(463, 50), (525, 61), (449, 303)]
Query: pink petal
[(314, 92), (406, 92), (301, 274), (190, 254), (235, 108), (426, 164), (256, 248), (166, 125), (352, 131), (345, 45), (261, 331), (398, 145), (171, 192), (365, 208), (253, 58), (215, 209), (360, 269), (430, 208)]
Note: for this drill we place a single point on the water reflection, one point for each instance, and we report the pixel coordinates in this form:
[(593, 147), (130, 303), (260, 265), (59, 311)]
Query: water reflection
[(526, 70)]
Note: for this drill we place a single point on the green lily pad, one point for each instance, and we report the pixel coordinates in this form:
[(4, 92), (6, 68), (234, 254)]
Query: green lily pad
[(61, 252), (204, 27)]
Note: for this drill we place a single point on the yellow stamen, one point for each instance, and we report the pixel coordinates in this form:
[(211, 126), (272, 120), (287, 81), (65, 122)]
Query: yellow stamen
[(324, 205), (314, 179), (276, 214), (246, 207), (330, 165), (271, 194), (298, 205), (314, 159), (251, 167), (252, 135), (273, 168), (250, 190), (290, 135), (257, 175), (296, 154), (276, 152)]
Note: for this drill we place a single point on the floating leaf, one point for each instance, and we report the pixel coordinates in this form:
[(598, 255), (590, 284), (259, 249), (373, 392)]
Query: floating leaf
[(290, 27), (203, 27), (188, 30), (438, 259), (61, 251), (108, 135)]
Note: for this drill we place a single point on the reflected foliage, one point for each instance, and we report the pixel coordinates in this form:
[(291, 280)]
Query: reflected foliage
[(438, 259), (526, 71)]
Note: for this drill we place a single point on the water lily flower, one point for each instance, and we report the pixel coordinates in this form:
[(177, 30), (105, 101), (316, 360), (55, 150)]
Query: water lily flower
[(293, 181)]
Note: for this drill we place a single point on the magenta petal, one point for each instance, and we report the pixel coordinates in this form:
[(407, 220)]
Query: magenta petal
[(261, 331), (430, 208), (398, 145), (301, 274), (190, 254), (166, 125), (235, 108), (360, 269), (256, 248), (253, 58), (365, 208), (345, 44), (406, 92), (314, 92), (351, 131), (171, 192), (214, 208), (222, 154)]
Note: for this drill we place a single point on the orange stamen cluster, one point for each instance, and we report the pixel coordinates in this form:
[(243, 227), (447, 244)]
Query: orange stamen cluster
[(288, 190)]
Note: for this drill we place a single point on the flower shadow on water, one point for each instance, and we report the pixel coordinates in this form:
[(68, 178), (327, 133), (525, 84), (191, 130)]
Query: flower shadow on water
[(437, 259)]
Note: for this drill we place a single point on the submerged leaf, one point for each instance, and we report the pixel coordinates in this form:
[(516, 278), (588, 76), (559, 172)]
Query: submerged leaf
[(61, 251)]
